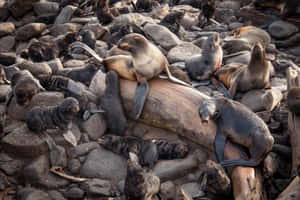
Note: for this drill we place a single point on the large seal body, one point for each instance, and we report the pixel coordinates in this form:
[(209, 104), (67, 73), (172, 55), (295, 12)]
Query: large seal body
[(239, 124), (201, 67)]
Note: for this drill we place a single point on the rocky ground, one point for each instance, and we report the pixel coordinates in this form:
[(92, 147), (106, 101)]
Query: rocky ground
[(25, 158)]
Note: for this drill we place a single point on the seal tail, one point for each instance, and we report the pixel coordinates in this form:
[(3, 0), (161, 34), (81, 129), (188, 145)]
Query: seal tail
[(139, 99), (175, 80), (86, 48)]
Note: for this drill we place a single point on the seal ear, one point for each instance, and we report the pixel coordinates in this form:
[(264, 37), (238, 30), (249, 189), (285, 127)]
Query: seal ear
[(216, 115)]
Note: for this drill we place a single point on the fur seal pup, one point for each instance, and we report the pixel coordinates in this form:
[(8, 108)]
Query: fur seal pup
[(39, 119), (140, 185), (168, 150), (104, 14), (201, 67), (240, 77), (293, 100), (24, 87), (208, 9), (172, 21), (145, 150), (144, 62), (239, 124), (112, 105)]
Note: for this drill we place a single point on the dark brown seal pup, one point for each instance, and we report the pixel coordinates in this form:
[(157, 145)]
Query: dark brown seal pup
[(293, 100), (239, 124), (172, 21), (144, 62), (168, 150), (104, 14), (287, 8), (39, 119), (208, 9), (112, 105), (201, 67), (145, 150), (24, 87), (140, 185), (240, 77)]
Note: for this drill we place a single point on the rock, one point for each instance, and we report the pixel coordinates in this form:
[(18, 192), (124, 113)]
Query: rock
[(84, 20), (6, 28), (12, 167), (4, 13), (55, 65), (95, 126), (74, 193), (23, 143), (99, 188), (83, 149), (46, 7), (279, 83), (20, 7), (236, 45), (191, 190), (74, 166), (4, 90), (167, 190), (60, 29), (225, 15), (100, 31), (295, 50), (235, 25), (55, 195), (182, 52), (134, 18), (52, 181), (104, 164), (162, 36), (30, 30), (265, 115), (37, 170), (243, 58), (258, 100), (72, 63), (41, 99), (7, 43), (32, 194), (4, 182), (35, 68), (235, 5), (65, 15), (7, 58), (58, 156), (282, 29)]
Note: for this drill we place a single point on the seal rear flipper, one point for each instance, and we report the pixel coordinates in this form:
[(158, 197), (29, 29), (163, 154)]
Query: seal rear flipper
[(239, 162), (86, 48), (219, 144), (221, 88), (139, 99), (175, 80)]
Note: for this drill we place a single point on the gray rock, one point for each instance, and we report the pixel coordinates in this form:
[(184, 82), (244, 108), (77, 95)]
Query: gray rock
[(30, 30), (99, 188), (100, 31), (235, 25), (183, 51), (83, 149), (23, 143), (32, 194), (279, 83), (37, 170), (45, 7), (134, 18), (58, 156), (52, 181), (243, 58), (84, 20), (95, 126), (12, 167), (162, 36), (236, 45), (191, 190), (41, 99), (4, 90), (65, 15), (235, 5), (6, 28), (60, 29), (281, 29), (7, 58), (74, 166), (35, 68), (4, 13), (55, 65), (104, 164), (295, 50), (225, 15), (168, 190), (7, 43), (55, 195), (72, 63), (4, 182), (20, 7), (74, 193)]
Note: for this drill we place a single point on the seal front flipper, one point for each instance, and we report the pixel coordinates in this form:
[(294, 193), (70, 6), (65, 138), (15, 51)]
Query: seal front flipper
[(239, 162), (219, 144), (139, 99), (87, 48)]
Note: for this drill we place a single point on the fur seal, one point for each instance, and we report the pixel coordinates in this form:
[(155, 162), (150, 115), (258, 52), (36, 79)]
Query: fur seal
[(287, 8), (239, 124), (240, 77), (293, 100), (39, 119), (140, 185), (3, 79), (168, 150), (145, 150), (24, 87), (104, 14), (201, 67), (172, 21), (144, 62), (208, 9), (112, 105)]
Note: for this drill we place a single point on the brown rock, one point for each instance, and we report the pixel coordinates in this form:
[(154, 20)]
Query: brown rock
[(6, 28), (7, 43), (30, 30)]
